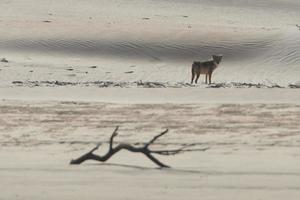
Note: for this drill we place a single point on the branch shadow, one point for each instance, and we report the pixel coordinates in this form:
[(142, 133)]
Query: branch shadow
[(170, 170), (124, 166)]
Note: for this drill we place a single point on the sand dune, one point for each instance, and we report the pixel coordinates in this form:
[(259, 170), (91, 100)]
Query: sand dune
[(164, 37), (273, 59)]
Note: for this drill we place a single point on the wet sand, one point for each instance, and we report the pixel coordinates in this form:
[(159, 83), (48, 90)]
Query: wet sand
[(253, 150)]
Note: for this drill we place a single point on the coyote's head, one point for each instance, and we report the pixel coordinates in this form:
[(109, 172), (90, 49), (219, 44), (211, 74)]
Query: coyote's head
[(217, 58)]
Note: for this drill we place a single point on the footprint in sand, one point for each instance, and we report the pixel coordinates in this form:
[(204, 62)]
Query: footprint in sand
[(4, 60), (129, 72)]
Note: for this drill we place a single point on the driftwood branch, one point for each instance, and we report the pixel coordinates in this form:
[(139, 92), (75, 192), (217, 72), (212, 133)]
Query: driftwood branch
[(144, 150)]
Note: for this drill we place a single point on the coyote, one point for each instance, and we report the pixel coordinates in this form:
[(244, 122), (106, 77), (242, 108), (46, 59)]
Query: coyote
[(206, 68)]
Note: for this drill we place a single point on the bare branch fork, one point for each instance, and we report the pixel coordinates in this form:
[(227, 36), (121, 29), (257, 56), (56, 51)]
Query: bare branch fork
[(144, 150)]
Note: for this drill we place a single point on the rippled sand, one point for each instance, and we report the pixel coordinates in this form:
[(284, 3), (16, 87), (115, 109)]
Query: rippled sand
[(156, 40)]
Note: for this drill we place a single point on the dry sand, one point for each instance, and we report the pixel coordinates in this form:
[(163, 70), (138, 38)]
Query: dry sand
[(149, 40), (59, 56)]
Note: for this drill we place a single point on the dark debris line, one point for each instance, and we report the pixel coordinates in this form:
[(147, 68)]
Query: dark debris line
[(146, 84)]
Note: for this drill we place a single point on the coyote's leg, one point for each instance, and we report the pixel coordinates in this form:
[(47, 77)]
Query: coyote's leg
[(206, 78), (193, 75), (210, 78), (198, 75)]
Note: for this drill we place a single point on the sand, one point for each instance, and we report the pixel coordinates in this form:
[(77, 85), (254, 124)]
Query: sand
[(131, 41), (253, 150), (72, 71)]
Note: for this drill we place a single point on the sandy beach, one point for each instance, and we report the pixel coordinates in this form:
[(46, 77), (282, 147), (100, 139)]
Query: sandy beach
[(71, 71), (253, 150)]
